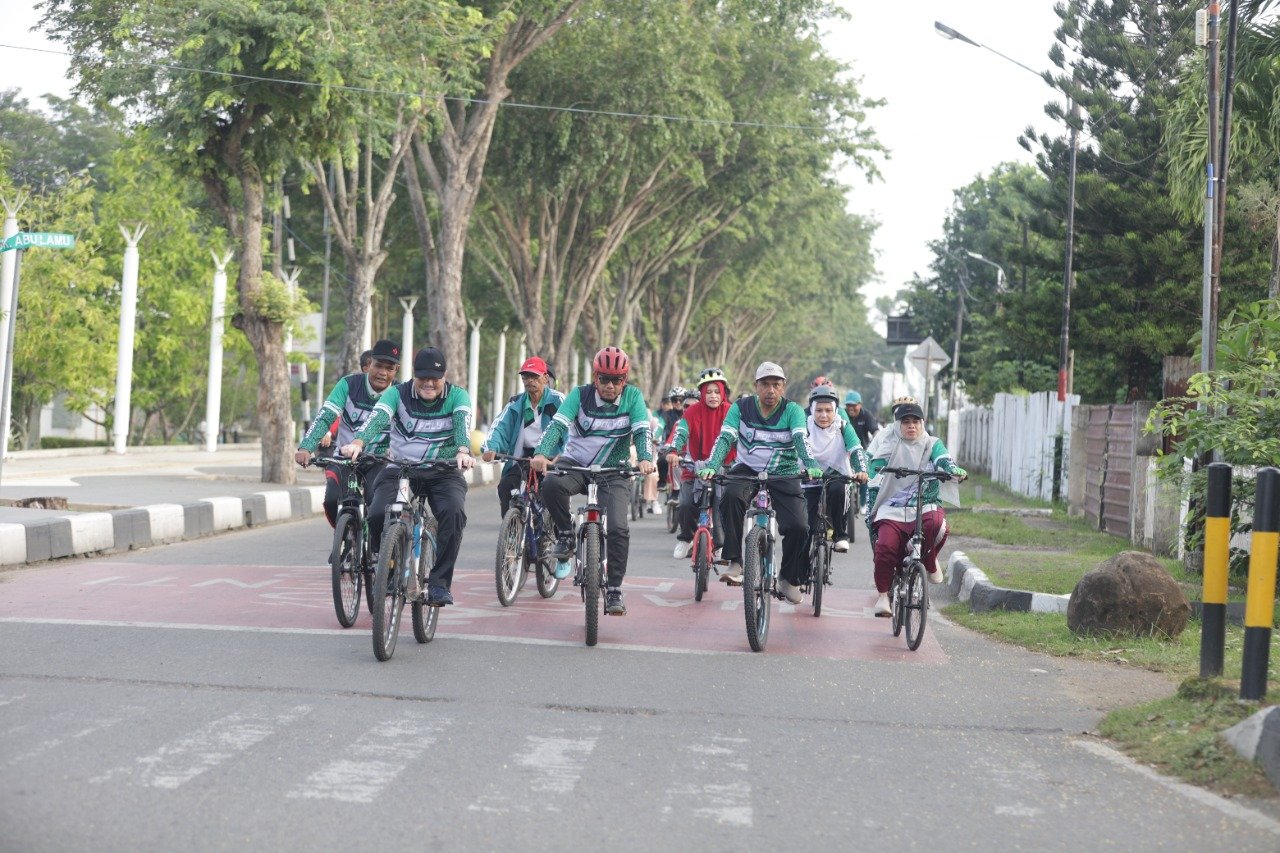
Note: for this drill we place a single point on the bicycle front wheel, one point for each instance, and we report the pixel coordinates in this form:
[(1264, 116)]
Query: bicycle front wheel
[(895, 601), (851, 512), (508, 565), (701, 562), (395, 557), (344, 567), (424, 617), (591, 569), (916, 606), (818, 570), (755, 588)]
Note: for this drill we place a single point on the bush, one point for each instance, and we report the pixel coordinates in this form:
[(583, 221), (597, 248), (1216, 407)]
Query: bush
[(57, 442)]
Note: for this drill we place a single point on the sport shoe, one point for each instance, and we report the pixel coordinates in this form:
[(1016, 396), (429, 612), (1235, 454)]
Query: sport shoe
[(613, 603), (733, 577), (563, 550), (790, 590), (563, 570), (882, 605), (842, 546), (935, 576), (438, 596), (682, 550)]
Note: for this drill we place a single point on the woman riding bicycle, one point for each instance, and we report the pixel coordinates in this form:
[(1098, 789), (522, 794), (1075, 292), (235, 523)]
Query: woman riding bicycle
[(697, 432), (837, 449), (893, 501)]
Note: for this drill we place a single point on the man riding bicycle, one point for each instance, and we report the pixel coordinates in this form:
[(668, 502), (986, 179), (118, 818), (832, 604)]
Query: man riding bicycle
[(602, 421), (351, 404), (838, 451), (520, 425), (770, 436), (427, 418), (697, 432), (893, 500)]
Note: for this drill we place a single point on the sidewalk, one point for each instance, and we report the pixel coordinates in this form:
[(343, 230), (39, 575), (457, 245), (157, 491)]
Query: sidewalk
[(148, 496)]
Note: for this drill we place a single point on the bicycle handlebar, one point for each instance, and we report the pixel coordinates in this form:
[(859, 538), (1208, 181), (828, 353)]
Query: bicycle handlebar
[(596, 470), (343, 462), (940, 476), (422, 464)]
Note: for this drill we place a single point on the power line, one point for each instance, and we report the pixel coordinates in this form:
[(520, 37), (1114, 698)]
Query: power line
[(368, 90)]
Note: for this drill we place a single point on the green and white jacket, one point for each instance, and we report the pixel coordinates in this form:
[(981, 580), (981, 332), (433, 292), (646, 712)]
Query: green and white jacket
[(419, 430), (596, 432), (778, 444)]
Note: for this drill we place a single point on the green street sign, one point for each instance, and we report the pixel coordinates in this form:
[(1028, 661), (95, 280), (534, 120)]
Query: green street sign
[(39, 240)]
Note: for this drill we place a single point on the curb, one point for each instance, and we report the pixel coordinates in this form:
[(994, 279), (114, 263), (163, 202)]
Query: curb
[(969, 583), (1257, 738), (92, 533)]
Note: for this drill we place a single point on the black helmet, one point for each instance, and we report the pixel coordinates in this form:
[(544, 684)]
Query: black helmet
[(824, 392)]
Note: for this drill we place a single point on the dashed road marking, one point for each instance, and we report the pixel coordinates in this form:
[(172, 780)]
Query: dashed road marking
[(374, 761)]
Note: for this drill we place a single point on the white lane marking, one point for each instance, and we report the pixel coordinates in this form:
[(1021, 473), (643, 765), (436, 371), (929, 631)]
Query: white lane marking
[(10, 699), (718, 791), (1019, 811), (182, 760), (104, 580), (549, 764), (657, 601), (237, 583), (129, 712), (1191, 792), (373, 761)]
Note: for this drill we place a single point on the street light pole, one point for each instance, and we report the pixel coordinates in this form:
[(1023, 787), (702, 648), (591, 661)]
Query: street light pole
[(1001, 278)]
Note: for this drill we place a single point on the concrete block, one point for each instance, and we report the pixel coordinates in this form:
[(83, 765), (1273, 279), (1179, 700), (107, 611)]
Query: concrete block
[(317, 500), (1043, 602), (61, 542), (39, 541), (255, 510), (92, 531), (132, 528), (197, 520), (165, 522), (984, 597), (278, 505), (13, 544), (227, 513), (1257, 739)]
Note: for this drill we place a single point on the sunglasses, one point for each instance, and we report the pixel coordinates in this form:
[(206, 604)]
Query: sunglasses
[(608, 379)]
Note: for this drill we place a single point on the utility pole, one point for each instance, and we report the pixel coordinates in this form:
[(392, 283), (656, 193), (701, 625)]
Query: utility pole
[(1209, 295)]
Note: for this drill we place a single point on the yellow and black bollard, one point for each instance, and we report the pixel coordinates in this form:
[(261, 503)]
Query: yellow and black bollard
[(1259, 605), (1217, 545)]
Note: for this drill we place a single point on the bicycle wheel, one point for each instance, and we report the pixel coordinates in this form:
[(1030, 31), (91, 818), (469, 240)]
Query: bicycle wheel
[(755, 592), (591, 579), (818, 568), (895, 601), (672, 521), (851, 512), (388, 588), (508, 564), (344, 568), (637, 499), (425, 618), (916, 606), (701, 562)]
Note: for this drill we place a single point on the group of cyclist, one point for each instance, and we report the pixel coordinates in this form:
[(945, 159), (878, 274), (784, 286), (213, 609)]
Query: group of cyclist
[(607, 423)]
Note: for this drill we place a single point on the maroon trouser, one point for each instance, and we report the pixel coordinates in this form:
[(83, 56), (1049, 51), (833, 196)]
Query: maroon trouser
[(891, 539)]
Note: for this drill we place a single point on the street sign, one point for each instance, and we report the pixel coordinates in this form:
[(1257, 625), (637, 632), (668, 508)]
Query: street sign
[(39, 240), (929, 358)]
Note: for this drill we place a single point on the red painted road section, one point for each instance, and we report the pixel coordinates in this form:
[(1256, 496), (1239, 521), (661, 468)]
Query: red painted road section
[(661, 612)]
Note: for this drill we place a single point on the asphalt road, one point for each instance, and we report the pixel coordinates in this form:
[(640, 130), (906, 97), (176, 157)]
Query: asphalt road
[(201, 696)]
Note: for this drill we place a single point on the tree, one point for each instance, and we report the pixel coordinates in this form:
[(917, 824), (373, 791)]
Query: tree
[(43, 149)]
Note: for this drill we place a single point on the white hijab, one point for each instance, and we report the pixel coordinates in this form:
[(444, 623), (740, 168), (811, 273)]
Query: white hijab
[(828, 445), (891, 445)]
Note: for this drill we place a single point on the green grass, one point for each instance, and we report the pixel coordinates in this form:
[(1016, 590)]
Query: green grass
[(1180, 736), (983, 491)]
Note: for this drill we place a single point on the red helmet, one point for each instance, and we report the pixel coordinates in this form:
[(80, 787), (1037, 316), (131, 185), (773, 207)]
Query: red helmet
[(820, 381), (611, 361)]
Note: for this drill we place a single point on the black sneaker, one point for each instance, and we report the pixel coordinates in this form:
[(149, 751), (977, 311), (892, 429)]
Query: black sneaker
[(438, 596), (613, 603), (563, 550)]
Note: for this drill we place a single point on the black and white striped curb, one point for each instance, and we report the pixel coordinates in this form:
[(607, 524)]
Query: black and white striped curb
[(1257, 739), (77, 534), (969, 583)]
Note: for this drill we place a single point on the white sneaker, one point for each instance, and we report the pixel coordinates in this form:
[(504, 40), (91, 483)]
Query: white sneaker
[(790, 590), (842, 546), (653, 507), (882, 605), (682, 550), (936, 576), (733, 577)]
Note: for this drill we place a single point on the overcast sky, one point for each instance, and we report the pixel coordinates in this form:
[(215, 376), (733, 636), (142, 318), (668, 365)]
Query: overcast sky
[(953, 110)]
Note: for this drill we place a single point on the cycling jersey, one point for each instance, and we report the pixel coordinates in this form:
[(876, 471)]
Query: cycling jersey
[(598, 432), (350, 404), (778, 444), (419, 429)]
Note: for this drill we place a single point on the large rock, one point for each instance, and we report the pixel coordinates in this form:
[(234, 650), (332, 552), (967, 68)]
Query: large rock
[(1130, 593)]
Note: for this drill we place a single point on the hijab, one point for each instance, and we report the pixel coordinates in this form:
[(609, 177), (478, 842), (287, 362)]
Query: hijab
[(705, 422), (900, 452)]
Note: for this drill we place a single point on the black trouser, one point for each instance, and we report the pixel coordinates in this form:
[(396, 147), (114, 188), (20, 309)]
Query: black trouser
[(615, 495), (510, 482), (687, 512), (792, 524), (835, 509), (446, 493), (335, 489)]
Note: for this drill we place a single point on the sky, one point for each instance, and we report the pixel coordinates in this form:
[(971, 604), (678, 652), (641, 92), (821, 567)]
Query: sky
[(953, 110)]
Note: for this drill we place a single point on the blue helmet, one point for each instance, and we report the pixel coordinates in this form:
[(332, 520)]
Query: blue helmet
[(852, 397)]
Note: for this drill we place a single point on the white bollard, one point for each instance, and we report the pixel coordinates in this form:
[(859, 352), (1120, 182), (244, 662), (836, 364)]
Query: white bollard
[(213, 398), (473, 367), (11, 209), (366, 337), (128, 324), (406, 338), (516, 385), (499, 372), (291, 283)]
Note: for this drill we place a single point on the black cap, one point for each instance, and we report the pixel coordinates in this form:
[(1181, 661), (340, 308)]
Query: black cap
[(385, 350), (428, 363), (907, 410)]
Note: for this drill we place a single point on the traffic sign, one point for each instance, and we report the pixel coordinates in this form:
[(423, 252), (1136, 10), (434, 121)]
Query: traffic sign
[(929, 358), (39, 240)]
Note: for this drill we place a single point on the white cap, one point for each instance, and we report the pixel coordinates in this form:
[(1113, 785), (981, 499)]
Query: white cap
[(769, 368)]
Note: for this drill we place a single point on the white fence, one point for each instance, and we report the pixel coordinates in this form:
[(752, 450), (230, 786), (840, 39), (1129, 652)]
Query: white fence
[(1012, 441)]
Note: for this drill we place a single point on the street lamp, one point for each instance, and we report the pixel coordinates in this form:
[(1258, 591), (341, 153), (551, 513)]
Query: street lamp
[(1000, 276)]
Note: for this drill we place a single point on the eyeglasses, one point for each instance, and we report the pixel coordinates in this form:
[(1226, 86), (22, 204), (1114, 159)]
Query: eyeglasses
[(607, 379)]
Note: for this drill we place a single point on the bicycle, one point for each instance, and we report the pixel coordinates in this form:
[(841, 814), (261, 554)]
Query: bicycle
[(349, 558), (408, 539), (673, 497), (590, 527), (821, 545), (852, 504), (759, 569), (637, 499), (909, 589), (705, 537), (521, 541)]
